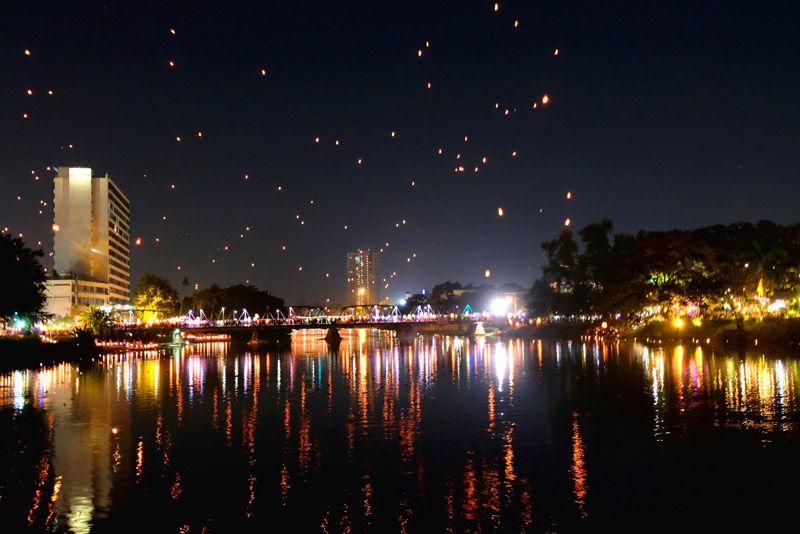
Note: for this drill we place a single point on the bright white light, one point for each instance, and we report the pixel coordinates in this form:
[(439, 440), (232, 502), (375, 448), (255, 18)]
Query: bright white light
[(499, 307), (402, 302), (776, 306)]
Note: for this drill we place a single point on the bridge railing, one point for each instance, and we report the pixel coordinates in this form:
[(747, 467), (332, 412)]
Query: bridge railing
[(322, 321)]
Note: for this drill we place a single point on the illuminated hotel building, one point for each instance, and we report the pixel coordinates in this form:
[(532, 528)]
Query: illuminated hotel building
[(92, 242), (362, 277)]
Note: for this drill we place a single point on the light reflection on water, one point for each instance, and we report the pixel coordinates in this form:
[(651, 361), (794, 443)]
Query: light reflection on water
[(449, 433), (756, 392)]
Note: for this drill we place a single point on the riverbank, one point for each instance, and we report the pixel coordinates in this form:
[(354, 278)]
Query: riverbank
[(32, 352), (561, 330), (771, 332)]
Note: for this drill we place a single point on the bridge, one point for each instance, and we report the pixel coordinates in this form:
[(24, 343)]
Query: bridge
[(294, 314), (243, 327), (365, 314), (277, 326)]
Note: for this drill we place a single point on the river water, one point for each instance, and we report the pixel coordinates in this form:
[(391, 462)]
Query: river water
[(447, 434)]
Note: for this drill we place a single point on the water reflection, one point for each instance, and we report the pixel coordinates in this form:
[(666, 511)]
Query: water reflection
[(755, 392), (578, 469), (446, 433)]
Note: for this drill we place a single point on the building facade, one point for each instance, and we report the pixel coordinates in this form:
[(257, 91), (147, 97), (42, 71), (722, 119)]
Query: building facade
[(362, 277), (68, 293), (91, 241)]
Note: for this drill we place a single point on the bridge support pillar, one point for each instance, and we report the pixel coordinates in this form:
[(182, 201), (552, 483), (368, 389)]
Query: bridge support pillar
[(406, 334), (333, 337)]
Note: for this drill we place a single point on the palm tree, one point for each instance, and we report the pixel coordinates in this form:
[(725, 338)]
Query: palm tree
[(97, 321)]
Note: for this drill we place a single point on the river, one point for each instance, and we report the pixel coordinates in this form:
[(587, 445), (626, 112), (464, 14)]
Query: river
[(446, 434)]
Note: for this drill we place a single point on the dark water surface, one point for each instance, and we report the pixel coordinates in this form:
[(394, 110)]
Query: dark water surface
[(449, 434)]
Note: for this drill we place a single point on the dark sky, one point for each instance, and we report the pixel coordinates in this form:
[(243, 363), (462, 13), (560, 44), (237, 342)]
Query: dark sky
[(660, 115)]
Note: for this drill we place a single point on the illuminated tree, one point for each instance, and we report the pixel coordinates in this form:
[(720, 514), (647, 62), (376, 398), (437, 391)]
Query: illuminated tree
[(729, 271), (98, 322), (155, 297)]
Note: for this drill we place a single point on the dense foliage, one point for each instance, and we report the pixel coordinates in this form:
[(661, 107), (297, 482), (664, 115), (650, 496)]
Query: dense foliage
[(98, 322), (735, 270), (24, 291), (156, 298), (237, 297)]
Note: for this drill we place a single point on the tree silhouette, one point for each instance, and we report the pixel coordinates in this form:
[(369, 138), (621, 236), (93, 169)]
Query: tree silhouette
[(24, 289)]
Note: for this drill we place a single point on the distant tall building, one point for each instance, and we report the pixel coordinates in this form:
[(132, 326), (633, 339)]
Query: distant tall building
[(92, 242), (362, 277)]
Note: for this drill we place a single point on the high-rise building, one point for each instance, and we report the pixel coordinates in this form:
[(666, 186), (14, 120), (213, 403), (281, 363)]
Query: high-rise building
[(92, 240), (362, 277)]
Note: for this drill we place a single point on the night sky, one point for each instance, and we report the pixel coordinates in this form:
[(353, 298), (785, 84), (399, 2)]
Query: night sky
[(658, 115)]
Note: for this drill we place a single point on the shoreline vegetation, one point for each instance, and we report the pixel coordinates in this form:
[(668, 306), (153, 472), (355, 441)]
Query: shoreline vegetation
[(773, 333), (31, 352)]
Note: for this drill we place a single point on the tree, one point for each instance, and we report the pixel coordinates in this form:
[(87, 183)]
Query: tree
[(594, 262), (443, 293), (625, 286), (24, 289), (155, 297), (737, 270), (98, 322), (563, 288), (254, 300), (236, 297), (412, 302), (211, 300)]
